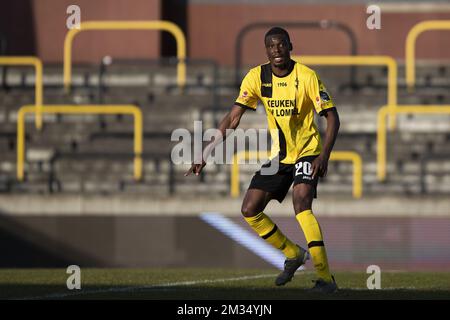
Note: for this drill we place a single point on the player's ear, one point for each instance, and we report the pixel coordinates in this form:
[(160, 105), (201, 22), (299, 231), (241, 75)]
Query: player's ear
[(290, 46)]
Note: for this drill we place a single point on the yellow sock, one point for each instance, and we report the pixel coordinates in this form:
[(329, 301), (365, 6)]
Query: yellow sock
[(269, 231), (313, 235)]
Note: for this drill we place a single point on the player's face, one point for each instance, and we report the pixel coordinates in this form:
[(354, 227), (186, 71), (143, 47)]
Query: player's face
[(277, 49)]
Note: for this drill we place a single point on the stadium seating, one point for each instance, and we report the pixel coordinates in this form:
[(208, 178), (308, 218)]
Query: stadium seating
[(165, 108)]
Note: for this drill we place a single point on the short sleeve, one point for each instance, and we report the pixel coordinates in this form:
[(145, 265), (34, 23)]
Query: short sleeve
[(248, 95), (318, 94)]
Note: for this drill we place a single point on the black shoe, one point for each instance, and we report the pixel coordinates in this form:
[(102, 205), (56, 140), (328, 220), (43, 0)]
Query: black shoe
[(321, 286), (290, 266)]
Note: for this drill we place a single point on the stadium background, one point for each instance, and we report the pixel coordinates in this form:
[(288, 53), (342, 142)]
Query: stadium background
[(79, 203)]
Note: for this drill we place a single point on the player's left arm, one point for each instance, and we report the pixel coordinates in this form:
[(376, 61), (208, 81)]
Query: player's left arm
[(324, 106), (320, 164)]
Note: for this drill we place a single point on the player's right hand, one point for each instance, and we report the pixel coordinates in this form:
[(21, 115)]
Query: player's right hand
[(196, 168)]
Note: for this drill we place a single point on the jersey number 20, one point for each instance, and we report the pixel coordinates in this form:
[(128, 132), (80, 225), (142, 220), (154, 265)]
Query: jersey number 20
[(303, 168)]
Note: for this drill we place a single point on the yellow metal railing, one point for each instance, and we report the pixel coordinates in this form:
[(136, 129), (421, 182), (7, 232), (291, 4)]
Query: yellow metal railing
[(381, 128), (356, 160), (238, 156), (36, 62), (334, 156), (82, 109), (411, 43), (387, 61), (127, 25)]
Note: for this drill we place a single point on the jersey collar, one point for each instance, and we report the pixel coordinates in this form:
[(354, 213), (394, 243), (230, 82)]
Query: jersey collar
[(291, 68)]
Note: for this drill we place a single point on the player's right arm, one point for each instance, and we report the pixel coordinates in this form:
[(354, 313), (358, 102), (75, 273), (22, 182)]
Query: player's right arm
[(247, 99), (230, 121)]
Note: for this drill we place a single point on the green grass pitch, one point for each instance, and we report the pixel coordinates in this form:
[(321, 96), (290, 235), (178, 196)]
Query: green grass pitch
[(185, 284)]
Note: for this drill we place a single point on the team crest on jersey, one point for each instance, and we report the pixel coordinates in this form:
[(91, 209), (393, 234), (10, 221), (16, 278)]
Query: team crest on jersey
[(325, 97)]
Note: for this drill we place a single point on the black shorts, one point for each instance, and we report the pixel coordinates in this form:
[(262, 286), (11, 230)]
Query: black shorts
[(279, 183)]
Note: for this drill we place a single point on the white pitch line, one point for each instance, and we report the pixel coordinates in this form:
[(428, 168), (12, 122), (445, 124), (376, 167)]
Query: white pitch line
[(149, 287)]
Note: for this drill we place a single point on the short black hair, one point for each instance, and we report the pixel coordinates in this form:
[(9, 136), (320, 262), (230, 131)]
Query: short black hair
[(279, 31)]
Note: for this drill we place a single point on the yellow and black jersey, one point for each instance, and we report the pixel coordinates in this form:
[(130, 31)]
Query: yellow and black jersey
[(289, 102)]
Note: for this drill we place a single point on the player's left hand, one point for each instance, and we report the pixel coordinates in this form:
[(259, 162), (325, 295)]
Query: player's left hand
[(320, 166)]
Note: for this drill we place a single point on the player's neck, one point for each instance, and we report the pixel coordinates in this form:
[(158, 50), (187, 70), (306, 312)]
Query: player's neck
[(284, 70)]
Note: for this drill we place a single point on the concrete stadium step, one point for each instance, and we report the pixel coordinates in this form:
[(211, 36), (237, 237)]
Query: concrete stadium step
[(202, 189), (153, 189)]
